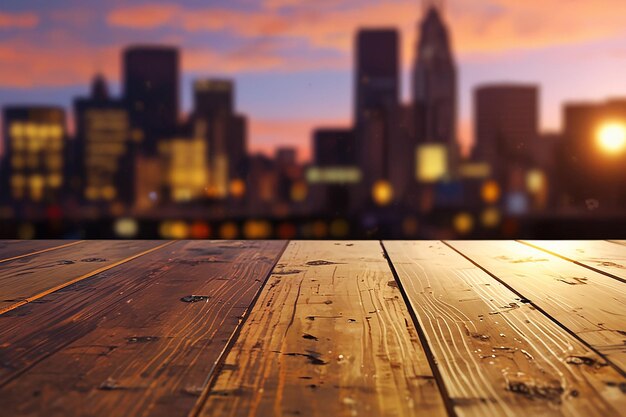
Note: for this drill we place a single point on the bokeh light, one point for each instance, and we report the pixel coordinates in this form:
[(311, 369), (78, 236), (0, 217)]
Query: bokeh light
[(463, 223), (126, 228), (382, 192), (490, 192)]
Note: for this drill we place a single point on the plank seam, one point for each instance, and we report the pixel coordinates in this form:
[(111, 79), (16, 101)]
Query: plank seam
[(565, 258), (66, 245), (430, 356), (545, 313), (80, 278), (218, 364)]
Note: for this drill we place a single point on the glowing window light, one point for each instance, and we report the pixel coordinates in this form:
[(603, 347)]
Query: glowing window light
[(126, 228), (55, 180), (535, 181), (200, 230), (17, 129), (333, 175), (229, 231), (490, 217), (431, 162), (474, 170), (108, 192), (179, 230), (237, 188), (611, 137), (257, 229), (299, 191), (463, 223), (490, 192), (382, 192)]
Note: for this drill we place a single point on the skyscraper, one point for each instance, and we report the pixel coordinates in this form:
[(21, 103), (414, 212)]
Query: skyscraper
[(593, 154), (377, 71), (103, 150), (506, 123), (377, 85), (34, 160), (151, 77), (225, 132), (435, 81)]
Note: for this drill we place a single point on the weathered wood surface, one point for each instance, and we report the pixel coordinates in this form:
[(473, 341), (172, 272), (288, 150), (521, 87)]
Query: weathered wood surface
[(598, 255), (591, 305), (329, 336), (12, 249), (127, 342), (30, 277), (498, 355)]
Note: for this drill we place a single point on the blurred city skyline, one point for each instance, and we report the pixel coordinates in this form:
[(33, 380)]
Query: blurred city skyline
[(292, 61)]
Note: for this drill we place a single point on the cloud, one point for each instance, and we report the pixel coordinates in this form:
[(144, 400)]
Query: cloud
[(18, 20), (486, 26)]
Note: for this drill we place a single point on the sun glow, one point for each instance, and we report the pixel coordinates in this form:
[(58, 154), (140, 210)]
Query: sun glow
[(612, 138)]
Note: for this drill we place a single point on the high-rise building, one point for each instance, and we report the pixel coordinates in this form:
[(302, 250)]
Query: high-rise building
[(435, 81), (335, 172), (334, 148), (103, 149), (506, 123), (185, 168), (151, 77), (593, 154), (34, 159), (377, 85), (225, 132), (377, 82)]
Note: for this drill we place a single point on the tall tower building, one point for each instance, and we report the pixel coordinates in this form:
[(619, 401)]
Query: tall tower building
[(151, 77), (506, 123), (103, 150), (435, 81), (214, 119), (377, 85), (34, 160), (378, 73)]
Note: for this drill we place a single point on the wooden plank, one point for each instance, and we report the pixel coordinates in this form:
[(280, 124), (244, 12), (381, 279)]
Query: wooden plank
[(597, 255), (128, 342), (497, 354), (15, 249), (329, 336), (589, 304), (29, 278)]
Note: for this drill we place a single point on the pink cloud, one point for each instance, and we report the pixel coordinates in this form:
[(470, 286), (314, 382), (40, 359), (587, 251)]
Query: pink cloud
[(18, 20), (476, 26)]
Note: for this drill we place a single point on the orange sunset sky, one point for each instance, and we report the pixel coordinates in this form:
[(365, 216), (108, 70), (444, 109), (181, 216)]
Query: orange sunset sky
[(292, 59)]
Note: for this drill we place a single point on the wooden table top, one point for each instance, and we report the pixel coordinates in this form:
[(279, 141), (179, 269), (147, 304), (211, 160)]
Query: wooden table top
[(313, 328)]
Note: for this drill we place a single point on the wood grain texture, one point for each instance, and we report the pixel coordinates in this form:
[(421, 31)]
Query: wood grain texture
[(589, 304), (12, 249), (598, 255), (127, 342), (329, 336), (499, 356), (26, 279)]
